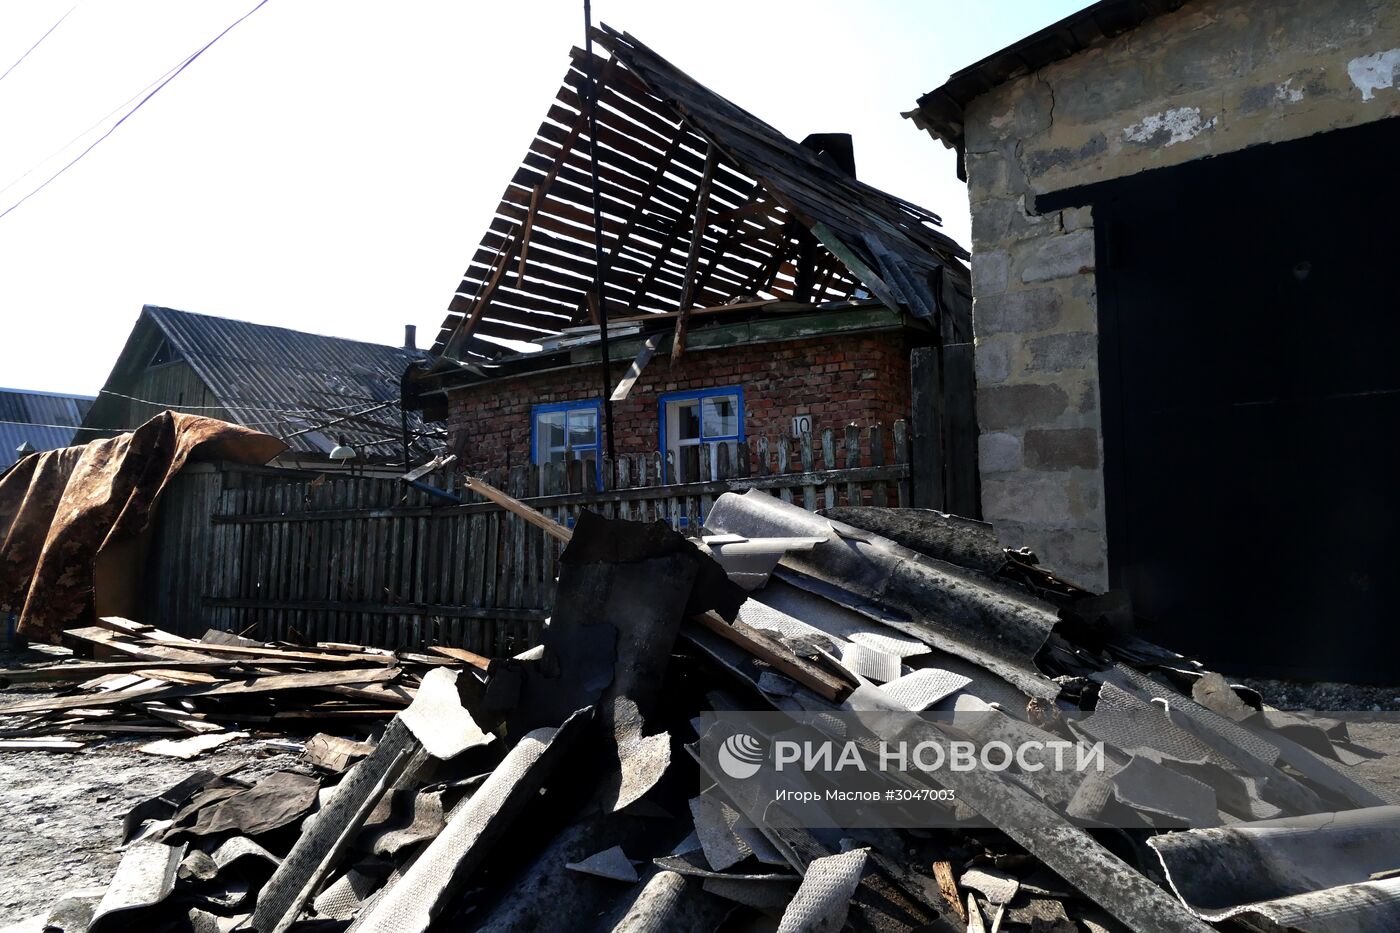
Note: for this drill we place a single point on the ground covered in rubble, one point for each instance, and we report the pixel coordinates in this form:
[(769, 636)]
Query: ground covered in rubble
[(63, 812), (1324, 696)]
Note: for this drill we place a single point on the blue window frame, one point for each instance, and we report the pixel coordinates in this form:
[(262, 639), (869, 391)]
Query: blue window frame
[(705, 417), (567, 431)]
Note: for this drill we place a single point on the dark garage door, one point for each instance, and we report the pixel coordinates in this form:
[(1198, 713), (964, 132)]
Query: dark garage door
[(1250, 352)]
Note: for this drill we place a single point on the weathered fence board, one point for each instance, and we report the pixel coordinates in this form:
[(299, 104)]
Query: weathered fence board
[(285, 555)]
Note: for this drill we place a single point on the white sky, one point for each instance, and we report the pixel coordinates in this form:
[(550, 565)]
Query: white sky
[(330, 165)]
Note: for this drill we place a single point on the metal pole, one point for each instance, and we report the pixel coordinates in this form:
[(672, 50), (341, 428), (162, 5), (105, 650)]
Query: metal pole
[(592, 104)]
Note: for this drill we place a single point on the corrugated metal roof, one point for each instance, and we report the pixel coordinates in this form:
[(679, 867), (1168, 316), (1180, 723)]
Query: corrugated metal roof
[(308, 389), (44, 419)]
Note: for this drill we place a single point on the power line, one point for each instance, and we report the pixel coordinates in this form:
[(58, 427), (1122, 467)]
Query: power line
[(240, 404), (183, 65), (36, 44), (96, 123)]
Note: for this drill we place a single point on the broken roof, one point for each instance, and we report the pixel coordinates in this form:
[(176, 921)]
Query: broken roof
[(940, 111), (779, 219), (46, 420), (308, 389)]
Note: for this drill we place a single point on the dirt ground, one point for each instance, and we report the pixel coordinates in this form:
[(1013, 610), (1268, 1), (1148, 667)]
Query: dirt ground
[(61, 813)]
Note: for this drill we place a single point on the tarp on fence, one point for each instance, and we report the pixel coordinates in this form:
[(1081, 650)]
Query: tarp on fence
[(72, 521)]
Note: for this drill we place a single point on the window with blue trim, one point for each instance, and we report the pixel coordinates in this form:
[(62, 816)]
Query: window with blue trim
[(566, 431), (707, 418)]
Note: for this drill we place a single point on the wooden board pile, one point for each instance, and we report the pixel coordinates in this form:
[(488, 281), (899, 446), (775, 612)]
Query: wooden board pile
[(191, 695)]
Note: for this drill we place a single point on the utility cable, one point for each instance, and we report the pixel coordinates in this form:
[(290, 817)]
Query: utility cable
[(93, 145), (95, 124), (36, 44)]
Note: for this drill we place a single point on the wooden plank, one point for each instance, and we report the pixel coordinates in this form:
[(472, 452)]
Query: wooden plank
[(926, 409), (853, 491), (58, 673), (809, 490), (287, 654), (901, 456), (697, 234), (879, 493), (40, 744), (776, 654), (105, 639), (959, 394), (829, 464), (784, 466), (463, 655)]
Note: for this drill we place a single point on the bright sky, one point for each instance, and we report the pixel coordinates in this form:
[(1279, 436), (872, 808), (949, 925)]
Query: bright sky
[(330, 165)]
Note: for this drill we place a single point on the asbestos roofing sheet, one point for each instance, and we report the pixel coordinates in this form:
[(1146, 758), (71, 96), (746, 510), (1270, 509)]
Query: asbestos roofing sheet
[(962, 541), (792, 611), (436, 716), (673, 903), (612, 864), (324, 836), (146, 876), (1231, 732), (921, 689), (824, 897), (1277, 868), (869, 663), (411, 904), (992, 624)]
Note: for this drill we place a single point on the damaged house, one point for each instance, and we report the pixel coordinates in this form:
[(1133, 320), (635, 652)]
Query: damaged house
[(756, 287), (311, 391), (1185, 329), (624, 766)]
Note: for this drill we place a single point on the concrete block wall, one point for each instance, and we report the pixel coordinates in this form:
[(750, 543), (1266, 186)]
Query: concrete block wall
[(860, 378), (1213, 77)]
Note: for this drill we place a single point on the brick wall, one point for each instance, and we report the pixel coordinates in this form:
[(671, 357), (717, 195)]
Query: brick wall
[(861, 378)]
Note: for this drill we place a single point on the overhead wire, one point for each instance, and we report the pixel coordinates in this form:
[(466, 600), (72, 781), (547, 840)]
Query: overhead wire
[(95, 124), (113, 128), (38, 42), (236, 403)]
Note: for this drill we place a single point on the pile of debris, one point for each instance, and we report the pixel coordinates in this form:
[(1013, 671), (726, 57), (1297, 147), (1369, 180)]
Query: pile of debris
[(202, 692), (577, 786)]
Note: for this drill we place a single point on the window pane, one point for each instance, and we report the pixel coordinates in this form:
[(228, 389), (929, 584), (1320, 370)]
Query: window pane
[(549, 435), (590, 454), (721, 416), (687, 421), (583, 427)]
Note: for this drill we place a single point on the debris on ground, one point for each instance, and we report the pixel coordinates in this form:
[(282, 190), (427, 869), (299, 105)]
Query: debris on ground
[(192, 695), (591, 782)]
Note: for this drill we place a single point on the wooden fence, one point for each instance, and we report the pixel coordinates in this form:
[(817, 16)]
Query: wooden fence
[(284, 555)]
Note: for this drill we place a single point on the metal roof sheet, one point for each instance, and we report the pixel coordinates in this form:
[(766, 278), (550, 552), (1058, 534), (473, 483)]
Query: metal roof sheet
[(44, 419), (308, 389)]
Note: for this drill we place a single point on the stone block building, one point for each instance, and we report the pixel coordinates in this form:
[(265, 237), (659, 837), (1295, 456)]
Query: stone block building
[(1184, 321)]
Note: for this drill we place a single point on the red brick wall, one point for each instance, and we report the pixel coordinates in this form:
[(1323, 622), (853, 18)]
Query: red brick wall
[(860, 378)]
